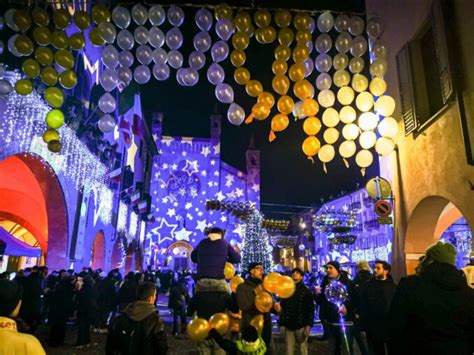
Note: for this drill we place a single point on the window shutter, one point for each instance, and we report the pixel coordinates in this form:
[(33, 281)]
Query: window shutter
[(406, 90), (442, 55)]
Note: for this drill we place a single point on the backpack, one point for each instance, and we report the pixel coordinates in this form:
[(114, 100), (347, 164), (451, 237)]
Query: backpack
[(127, 335)]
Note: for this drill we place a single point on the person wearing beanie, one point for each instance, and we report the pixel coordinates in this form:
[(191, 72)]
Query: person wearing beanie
[(432, 312), (251, 342), (13, 342)]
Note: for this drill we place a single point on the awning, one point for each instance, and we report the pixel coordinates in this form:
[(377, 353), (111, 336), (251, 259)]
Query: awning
[(16, 247)]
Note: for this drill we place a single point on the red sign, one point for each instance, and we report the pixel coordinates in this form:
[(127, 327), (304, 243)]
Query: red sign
[(383, 208)]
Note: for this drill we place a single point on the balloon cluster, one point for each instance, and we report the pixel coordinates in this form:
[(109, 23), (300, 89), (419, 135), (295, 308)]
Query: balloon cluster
[(283, 286), (279, 225), (241, 210)]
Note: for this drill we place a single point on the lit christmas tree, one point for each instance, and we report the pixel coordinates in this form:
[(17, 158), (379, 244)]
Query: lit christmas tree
[(256, 243)]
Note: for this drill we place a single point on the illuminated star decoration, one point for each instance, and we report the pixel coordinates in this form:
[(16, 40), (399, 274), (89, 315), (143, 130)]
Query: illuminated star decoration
[(182, 234), (164, 231)]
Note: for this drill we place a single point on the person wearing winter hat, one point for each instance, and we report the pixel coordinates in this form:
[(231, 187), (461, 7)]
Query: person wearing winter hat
[(13, 342)]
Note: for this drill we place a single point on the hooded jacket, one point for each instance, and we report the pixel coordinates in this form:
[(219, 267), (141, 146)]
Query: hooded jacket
[(297, 311)]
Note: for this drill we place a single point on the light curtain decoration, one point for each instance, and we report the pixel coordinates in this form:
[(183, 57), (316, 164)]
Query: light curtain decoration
[(336, 96)]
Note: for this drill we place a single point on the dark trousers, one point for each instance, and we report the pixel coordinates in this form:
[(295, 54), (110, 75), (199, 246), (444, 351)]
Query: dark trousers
[(337, 342), (57, 332), (32, 320), (357, 334), (83, 331), (376, 344), (179, 313)]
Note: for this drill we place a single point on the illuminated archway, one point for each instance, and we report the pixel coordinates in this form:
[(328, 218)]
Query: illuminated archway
[(98, 252), (31, 196), (180, 253)]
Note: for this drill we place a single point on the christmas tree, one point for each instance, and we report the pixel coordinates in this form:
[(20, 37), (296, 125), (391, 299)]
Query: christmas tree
[(256, 244)]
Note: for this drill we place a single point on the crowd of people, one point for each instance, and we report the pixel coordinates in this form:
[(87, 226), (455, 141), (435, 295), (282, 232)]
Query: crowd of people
[(431, 312)]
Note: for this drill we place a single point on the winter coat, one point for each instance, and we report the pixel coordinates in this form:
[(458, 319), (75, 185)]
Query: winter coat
[(32, 291), (127, 294), (206, 304), (13, 342), (432, 313), (178, 297), (61, 300), (86, 302), (361, 279), (297, 311), (108, 293)]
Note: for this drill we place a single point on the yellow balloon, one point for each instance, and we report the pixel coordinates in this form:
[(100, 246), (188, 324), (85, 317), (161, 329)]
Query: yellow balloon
[(55, 118), (260, 111), (300, 54), (54, 146), (267, 98), (223, 11), (77, 41), (68, 79), (251, 30), (234, 282), (220, 322), (270, 281), (198, 329), (279, 67), (281, 84), (95, 37), (283, 18), (279, 122), (257, 322), (24, 45), (229, 270), (237, 58), (31, 68), (59, 40), (50, 135), (311, 126), (297, 72), (310, 107), (23, 87), (54, 96), (100, 13), (242, 21), (61, 19), (310, 148), (64, 59), (241, 76), (44, 55), (303, 37), (285, 104), (259, 35), (240, 40), (253, 88), (82, 20), (282, 52), (285, 36), (331, 135), (49, 76), (303, 89), (22, 19), (262, 18), (302, 21), (42, 35), (40, 16), (263, 301), (269, 34), (286, 286)]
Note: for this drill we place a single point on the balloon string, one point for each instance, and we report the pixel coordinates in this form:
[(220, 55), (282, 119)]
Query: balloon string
[(362, 171), (249, 119), (346, 163), (312, 160), (325, 168), (271, 136)]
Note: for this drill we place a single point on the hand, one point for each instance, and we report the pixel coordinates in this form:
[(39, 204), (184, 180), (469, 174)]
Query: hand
[(317, 290), (277, 307), (343, 310)]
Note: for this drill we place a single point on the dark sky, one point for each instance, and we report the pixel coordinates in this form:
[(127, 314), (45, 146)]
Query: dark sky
[(287, 176)]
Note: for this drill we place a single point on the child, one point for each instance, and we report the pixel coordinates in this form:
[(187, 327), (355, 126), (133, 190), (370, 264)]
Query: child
[(251, 342)]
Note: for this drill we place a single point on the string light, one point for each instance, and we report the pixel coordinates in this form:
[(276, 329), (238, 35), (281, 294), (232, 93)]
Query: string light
[(122, 217), (132, 230), (103, 200)]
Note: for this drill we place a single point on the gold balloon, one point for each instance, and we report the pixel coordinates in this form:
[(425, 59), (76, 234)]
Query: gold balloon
[(285, 36), (54, 146), (241, 76), (198, 329), (59, 40), (303, 89), (260, 111), (31, 68), (281, 84), (263, 301), (242, 21), (251, 30), (279, 122), (269, 34), (262, 18), (68, 79), (283, 18), (50, 135), (100, 13), (310, 107), (22, 19), (61, 19), (253, 88), (223, 11), (286, 286), (311, 126), (23, 87), (220, 322), (300, 54), (302, 21), (234, 282), (44, 55), (237, 58), (285, 104), (240, 40), (49, 76), (303, 37), (54, 96), (270, 281), (82, 20), (279, 67), (95, 37), (297, 72), (42, 35), (40, 16), (310, 148), (257, 322), (64, 59), (282, 52), (259, 35), (267, 98), (77, 41), (229, 270), (24, 45)]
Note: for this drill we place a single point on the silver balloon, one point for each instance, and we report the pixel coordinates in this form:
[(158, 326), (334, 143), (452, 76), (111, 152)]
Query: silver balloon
[(175, 59), (2, 22), (156, 37), (107, 31), (179, 76), (202, 41), (224, 28), (323, 81), (380, 50), (142, 74), (312, 25), (157, 15), (356, 65), (340, 61), (336, 292), (107, 103), (110, 56), (308, 67), (9, 14), (323, 62), (109, 79), (224, 93), (343, 42), (219, 51), (310, 46), (144, 54), (2, 47), (125, 40), (5, 87), (159, 56), (374, 28), (106, 123), (325, 22), (215, 74), (175, 15), (125, 75), (161, 71), (11, 46), (298, 111), (235, 114), (174, 38), (197, 60), (139, 14), (190, 77), (356, 26), (358, 46), (126, 59), (203, 19), (341, 23), (121, 17), (323, 43), (141, 35)]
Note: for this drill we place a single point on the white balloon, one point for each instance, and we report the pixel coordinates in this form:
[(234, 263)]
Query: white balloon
[(156, 37), (323, 43), (323, 81), (174, 38), (341, 23), (107, 32), (159, 56), (139, 14), (106, 123), (219, 51), (358, 46), (224, 93), (11, 46), (175, 59), (202, 41), (356, 26), (9, 15), (340, 61), (203, 19), (107, 103), (374, 28), (161, 71), (190, 77), (235, 114), (125, 40), (109, 79), (125, 75), (326, 98), (126, 59), (197, 60), (323, 62), (121, 17), (142, 74), (110, 56), (343, 42), (175, 15), (5, 87), (141, 35), (157, 15), (144, 54), (215, 74), (325, 21)]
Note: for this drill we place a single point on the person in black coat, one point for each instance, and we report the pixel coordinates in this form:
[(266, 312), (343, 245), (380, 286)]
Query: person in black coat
[(177, 303), (86, 304), (375, 304), (433, 312), (61, 309)]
